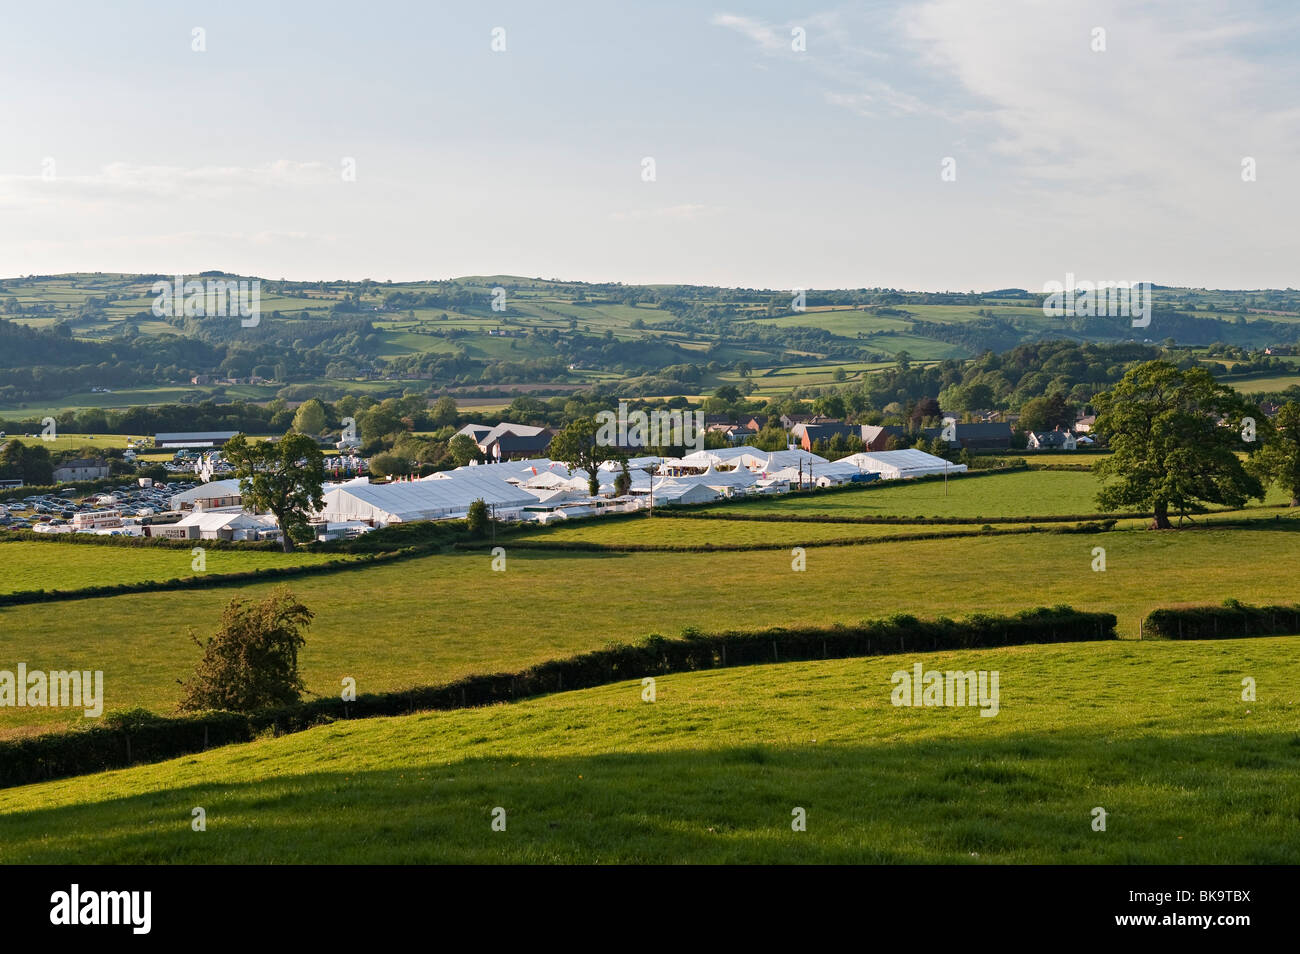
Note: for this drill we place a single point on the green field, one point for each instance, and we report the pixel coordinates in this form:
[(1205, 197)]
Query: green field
[(437, 618), (1155, 733), (65, 442), (39, 565), (1018, 494), (1279, 382), (1042, 493), (665, 531)]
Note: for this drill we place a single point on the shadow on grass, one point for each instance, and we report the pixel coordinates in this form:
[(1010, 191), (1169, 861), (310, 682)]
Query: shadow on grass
[(1206, 799)]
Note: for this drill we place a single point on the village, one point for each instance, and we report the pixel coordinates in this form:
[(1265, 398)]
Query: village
[(515, 479)]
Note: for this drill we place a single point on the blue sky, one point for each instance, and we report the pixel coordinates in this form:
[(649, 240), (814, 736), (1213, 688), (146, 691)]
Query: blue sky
[(124, 149)]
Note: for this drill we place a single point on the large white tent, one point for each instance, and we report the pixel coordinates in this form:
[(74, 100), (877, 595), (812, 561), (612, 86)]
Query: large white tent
[(901, 464), (404, 502), (769, 462), (675, 491), (825, 474)]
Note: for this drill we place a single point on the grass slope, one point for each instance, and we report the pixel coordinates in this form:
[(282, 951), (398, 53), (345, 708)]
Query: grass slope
[(436, 618), (1155, 733), (31, 565)]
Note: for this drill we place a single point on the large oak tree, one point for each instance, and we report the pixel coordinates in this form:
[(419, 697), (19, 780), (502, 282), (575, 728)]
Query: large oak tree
[(1175, 436), (282, 477)]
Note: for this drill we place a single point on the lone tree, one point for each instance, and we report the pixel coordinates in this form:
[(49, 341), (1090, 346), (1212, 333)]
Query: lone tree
[(1175, 436), (281, 477), (1278, 459), (578, 447), (477, 518), (251, 662), (623, 481)]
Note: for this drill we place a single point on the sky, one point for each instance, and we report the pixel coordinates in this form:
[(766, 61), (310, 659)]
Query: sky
[(929, 145)]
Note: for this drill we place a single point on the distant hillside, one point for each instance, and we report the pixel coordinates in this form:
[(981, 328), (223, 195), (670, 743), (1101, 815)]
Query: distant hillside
[(62, 335)]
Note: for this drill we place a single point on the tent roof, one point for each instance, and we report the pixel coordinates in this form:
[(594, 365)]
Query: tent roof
[(215, 488), (425, 499)]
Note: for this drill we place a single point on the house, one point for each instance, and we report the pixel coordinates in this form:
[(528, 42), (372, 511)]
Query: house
[(475, 432), (507, 441), (83, 468), (755, 423), (510, 445), (806, 435), (1052, 440), (877, 436), (1279, 350), (734, 433), (1085, 424), (788, 421), (990, 435)]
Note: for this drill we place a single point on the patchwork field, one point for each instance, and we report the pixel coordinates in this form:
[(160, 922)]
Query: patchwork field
[(33, 565), (1037, 493), (1019, 494), (436, 618), (1154, 733), (691, 532)]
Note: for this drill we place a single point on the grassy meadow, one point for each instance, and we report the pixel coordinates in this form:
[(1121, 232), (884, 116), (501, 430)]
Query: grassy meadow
[(1156, 733), (437, 618), (40, 565)]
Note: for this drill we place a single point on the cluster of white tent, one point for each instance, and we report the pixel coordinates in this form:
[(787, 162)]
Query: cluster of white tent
[(542, 490)]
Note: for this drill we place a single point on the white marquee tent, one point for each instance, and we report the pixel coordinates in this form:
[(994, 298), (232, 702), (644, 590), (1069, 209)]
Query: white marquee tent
[(901, 464), (440, 499)]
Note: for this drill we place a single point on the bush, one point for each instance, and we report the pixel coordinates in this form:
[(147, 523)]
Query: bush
[(1229, 621), (252, 661), (477, 518)]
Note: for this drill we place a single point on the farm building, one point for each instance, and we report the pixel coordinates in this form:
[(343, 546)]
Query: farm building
[(190, 439), (902, 464), (86, 468), (508, 441)]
